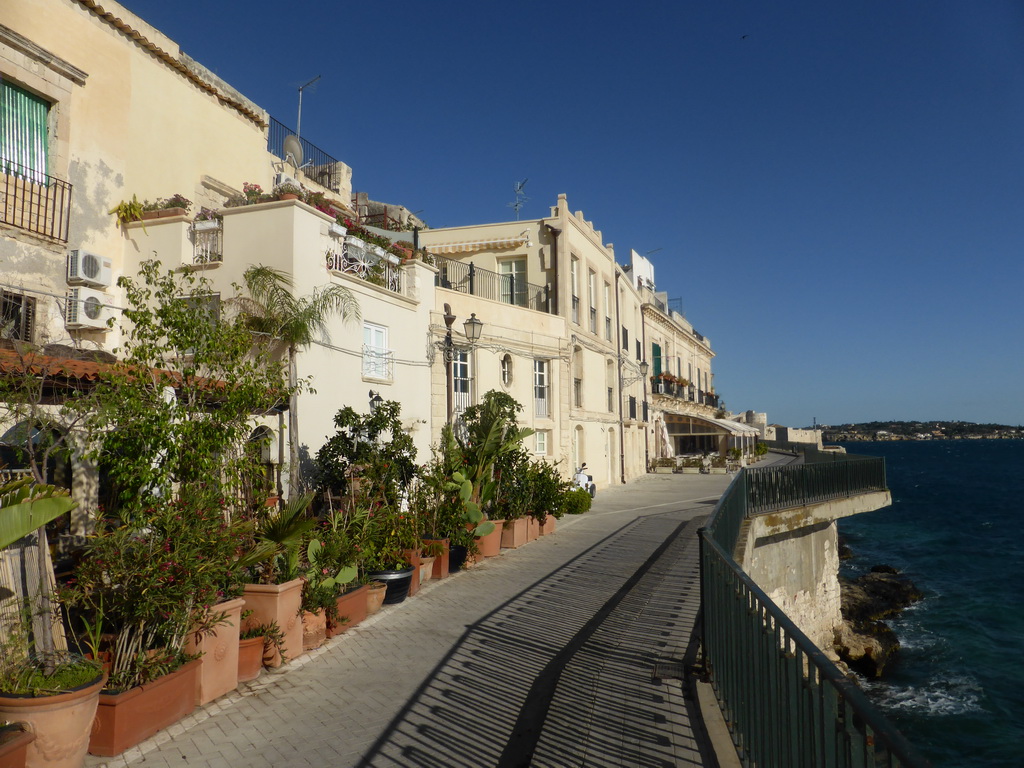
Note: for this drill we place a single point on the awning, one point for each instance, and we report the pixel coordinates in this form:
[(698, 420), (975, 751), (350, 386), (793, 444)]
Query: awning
[(477, 245), (736, 428)]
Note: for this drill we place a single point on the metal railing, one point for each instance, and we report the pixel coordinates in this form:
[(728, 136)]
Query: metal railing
[(786, 703), (466, 277), (207, 243), (316, 164), (356, 259), (35, 202), (378, 363)]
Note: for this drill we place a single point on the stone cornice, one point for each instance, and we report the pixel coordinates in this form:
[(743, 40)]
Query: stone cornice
[(56, 63)]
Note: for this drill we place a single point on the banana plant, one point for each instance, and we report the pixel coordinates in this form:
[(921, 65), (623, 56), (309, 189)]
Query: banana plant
[(25, 507)]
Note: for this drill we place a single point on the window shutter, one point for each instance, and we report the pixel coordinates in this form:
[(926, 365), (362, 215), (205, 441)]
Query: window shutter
[(23, 132)]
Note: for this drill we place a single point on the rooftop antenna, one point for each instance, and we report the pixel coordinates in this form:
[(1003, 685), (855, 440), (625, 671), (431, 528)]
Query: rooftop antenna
[(520, 197), (298, 125)]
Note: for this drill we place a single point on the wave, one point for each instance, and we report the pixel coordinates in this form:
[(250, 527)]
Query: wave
[(958, 695)]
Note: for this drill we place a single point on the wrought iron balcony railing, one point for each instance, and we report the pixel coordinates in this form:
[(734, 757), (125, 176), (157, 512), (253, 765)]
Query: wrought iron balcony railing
[(35, 202), (468, 278)]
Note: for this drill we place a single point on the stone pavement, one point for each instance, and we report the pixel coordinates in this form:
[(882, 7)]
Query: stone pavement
[(561, 653)]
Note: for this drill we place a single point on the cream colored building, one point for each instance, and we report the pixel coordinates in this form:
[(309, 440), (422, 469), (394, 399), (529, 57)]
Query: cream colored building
[(561, 334), (100, 108), (685, 411)]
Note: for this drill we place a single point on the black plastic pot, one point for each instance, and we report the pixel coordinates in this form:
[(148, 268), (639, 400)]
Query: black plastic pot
[(456, 557), (398, 583)]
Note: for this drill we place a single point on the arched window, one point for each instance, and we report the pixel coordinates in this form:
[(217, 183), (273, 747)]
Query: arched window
[(506, 371)]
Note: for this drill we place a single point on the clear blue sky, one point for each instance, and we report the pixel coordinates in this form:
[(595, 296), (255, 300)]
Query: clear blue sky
[(837, 189)]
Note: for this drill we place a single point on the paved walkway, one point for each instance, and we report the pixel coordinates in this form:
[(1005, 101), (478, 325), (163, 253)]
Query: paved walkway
[(543, 656)]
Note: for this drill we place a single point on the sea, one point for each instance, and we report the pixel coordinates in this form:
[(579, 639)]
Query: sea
[(956, 690)]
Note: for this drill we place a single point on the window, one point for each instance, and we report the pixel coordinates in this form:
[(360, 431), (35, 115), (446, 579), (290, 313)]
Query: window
[(17, 316), (506, 370), (574, 278), (577, 377), (625, 338), (592, 296), (513, 281), (540, 388), (378, 360), (632, 407), (462, 384), (577, 393), (608, 311), (655, 359), (540, 444), (24, 133)]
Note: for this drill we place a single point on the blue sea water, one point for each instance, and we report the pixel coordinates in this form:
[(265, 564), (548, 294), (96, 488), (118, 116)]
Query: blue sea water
[(956, 690)]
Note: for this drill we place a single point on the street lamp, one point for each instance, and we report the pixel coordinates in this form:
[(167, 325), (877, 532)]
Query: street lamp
[(472, 328), (643, 368), (375, 401)]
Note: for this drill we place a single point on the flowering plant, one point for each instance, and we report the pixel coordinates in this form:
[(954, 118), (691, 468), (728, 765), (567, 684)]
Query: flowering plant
[(208, 214), (151, 582), (253, 192)]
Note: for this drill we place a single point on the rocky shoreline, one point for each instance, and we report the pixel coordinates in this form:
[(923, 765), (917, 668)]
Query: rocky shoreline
[(863, 641)]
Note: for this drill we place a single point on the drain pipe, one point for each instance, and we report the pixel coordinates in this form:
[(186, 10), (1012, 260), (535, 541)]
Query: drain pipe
[(618, 344)]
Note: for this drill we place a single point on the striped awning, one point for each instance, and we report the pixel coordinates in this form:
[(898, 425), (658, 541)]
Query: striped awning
[(478, 245)]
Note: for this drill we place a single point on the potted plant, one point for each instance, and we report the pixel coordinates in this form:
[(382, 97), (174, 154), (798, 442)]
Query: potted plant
[(15, 739), (274, 591), (175, 205), (288, 191)]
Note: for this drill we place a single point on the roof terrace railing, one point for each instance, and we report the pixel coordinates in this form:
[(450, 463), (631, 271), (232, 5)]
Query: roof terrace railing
[(466, 277), (316, 164), (786, 703)]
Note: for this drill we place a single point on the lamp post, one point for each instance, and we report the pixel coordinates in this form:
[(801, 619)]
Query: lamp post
[(472, 328)]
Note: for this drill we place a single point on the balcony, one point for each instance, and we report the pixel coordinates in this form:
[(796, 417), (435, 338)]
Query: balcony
[(468, 278), (317, 165), (366, 261), (35, 202), (378, 364), (207, 243)]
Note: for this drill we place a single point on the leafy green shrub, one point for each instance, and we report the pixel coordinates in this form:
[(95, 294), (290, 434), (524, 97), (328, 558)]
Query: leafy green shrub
[(576, 501)]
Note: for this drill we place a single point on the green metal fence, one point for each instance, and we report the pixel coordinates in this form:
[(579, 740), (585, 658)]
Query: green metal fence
[(786, 704)]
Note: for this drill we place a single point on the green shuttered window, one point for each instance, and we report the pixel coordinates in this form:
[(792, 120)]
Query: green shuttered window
[(23, 132)]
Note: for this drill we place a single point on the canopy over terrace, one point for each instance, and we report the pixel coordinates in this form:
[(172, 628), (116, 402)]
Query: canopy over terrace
[(689, 434)]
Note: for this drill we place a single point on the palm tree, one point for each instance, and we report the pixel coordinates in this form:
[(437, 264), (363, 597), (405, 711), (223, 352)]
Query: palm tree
[(272, 310)]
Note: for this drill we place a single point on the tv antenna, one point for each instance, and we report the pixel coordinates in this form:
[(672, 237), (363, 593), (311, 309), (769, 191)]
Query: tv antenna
[(521, 198), (298, 125)]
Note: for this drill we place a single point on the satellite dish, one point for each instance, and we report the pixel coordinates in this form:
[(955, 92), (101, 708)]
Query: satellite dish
[(293, 149)]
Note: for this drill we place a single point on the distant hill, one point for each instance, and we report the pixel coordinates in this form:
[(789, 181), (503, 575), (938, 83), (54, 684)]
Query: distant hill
[(921, 430)]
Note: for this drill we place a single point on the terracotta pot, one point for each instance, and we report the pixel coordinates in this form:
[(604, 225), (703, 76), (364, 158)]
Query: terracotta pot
[(375, 596), (440, 561), (288, 196), (413, 556), (250, 658), (548, 526), (126, 719), (351, 610), (426, 568), (513, 532), (314, 629), (532, 528), (14, 743), (280, 603), (218, 670), (59, 724), (490, 545)]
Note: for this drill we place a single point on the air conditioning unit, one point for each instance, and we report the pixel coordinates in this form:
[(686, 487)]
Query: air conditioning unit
[(283, 178), (87, 268), (87, 309)]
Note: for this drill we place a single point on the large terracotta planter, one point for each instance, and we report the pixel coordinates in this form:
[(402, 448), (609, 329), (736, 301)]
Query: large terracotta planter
[(548, 526), (441, 560), (59, 724), (314, 629), (280, 603), (426, 568), (351, 610), (532, 528), (126, 719), (218, 669), (250, 658), (14, 743), (490, 545), (375, 594), (513, 532)]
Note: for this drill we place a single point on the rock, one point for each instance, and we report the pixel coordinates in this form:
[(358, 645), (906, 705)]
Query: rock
[(862, 641), (877, 595), (866, 647)]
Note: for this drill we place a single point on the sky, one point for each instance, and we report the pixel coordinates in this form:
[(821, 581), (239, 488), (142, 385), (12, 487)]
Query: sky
[(833, 191)]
